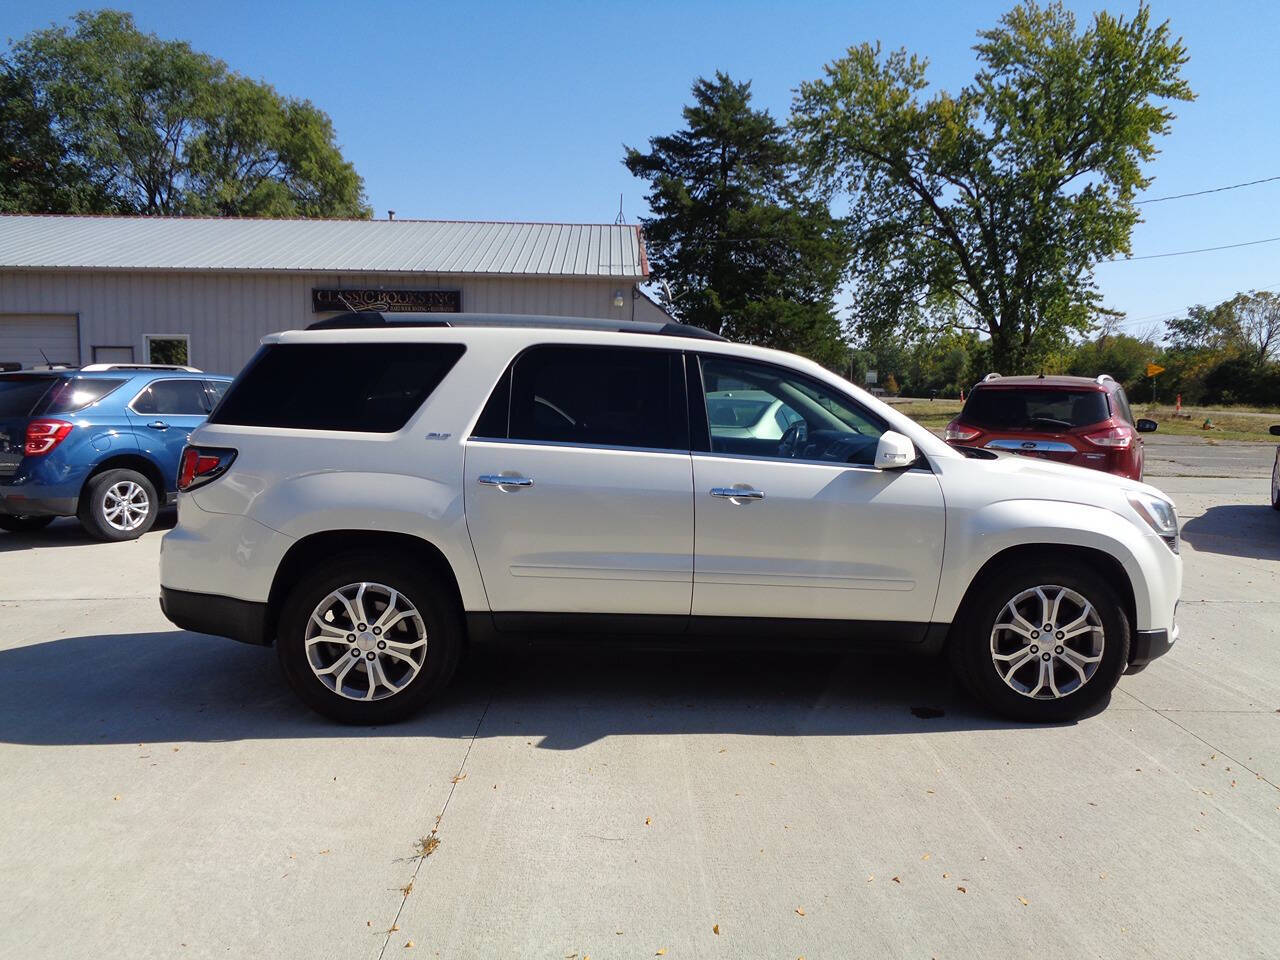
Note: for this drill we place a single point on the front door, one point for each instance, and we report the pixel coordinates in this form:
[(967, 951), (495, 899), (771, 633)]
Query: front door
[(578, 484), (803, 525)]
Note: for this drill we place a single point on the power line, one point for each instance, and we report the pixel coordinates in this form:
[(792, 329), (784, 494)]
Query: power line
[(1200, 193), (1183, 253)]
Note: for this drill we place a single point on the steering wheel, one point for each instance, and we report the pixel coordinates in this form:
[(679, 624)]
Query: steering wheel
[(794, 440)]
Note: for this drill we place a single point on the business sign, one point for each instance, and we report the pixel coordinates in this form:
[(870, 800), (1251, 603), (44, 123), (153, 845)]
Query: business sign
[(387, 301)]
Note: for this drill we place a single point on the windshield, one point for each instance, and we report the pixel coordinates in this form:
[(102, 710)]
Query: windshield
[(1034, 409), (20, 392)]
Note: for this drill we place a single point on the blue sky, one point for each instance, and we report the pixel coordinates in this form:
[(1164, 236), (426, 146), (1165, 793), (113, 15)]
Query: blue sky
[(518, 111)]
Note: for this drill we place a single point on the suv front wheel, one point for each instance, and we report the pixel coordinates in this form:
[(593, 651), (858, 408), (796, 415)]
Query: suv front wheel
[(1043, 642), (369, 639)]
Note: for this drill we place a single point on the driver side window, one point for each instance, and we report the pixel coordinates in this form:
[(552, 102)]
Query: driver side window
[(759, 410)]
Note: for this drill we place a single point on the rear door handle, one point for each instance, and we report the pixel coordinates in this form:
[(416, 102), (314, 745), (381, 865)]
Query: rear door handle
[(737, 493), (500, 480), (158, 425)]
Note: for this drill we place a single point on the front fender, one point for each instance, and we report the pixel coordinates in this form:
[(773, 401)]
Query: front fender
[(976, 536)]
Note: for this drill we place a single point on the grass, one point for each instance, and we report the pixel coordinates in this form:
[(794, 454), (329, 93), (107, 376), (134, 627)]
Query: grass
[(1228, 423)]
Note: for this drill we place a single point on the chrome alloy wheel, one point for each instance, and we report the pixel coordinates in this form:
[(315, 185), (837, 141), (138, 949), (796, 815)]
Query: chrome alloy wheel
[(1047, 642), (366, 641), (125, 506)]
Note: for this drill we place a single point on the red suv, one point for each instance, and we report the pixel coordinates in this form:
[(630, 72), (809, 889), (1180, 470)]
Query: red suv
[(1068, 419)]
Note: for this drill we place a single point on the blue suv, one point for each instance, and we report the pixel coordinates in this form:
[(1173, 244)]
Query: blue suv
[(100, 443)]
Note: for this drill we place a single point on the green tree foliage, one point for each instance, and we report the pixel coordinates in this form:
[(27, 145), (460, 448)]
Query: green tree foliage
[(995, 203), (745, 251), (101, 117), (1226, 353)]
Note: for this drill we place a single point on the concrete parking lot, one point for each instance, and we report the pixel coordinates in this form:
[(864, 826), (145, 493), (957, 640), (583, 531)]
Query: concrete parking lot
[(167, 797)]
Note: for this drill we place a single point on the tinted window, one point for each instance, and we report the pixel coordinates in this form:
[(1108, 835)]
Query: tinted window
[(216, 390), (809, 420), (1033, 409), (72, 395), (18, 394), (365, 387), (173, 397), (1122, 402), (612, 396)]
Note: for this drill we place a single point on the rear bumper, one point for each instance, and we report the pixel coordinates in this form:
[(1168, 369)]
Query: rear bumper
[(242, 620), (26, 501)]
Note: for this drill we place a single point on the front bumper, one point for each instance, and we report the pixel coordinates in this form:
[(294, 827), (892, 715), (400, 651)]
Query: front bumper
[(242, 620), (1149, 644)]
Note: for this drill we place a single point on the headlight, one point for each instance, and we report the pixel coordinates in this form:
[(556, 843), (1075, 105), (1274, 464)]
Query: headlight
[(1160, 516)]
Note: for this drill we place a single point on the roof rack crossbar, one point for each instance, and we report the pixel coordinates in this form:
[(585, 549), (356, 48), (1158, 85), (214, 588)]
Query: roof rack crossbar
[(103, 367)]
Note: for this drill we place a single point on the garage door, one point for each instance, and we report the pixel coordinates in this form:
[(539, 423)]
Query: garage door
[(24, 335)]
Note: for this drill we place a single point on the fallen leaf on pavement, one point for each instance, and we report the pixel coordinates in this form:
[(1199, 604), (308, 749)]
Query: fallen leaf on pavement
[(459, 778), (946, 876), (408, 944), (925, 857), (800, 910), (1024, 901), (116, 797), (648, 820), (870, 877), (962, 889), (661, 952), (715, 928), (896, 880)]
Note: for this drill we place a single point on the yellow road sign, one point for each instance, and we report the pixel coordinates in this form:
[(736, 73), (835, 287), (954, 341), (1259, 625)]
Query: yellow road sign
[(1153, 369)]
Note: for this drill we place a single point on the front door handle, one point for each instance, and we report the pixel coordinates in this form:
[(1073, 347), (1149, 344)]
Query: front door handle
[(158, 425), (501, 480), (737, 493)]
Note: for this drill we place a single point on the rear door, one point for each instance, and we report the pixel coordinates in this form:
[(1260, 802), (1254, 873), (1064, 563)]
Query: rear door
[(163, 415), (578, 484)]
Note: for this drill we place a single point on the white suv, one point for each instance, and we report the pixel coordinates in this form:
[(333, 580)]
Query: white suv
[(374, 493)]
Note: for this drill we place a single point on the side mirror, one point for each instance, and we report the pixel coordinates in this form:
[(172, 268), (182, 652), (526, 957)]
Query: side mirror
[(894, 451), (1147, 426), (1275, 430)]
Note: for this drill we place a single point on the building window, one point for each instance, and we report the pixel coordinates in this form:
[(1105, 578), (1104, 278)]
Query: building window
[(173, 348), (113, 354)]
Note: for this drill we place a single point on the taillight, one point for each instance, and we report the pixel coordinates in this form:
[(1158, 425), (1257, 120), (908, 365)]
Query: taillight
[(44, 435), (1116, 437), (959, 432), (201, 465)]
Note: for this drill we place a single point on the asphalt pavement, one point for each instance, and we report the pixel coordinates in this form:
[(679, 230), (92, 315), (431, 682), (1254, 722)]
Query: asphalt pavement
[(167, 797)]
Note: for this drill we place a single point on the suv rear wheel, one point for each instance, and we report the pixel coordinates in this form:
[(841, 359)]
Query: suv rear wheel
[(21, 524), (1044, 642), (369, 639), (118, 505)]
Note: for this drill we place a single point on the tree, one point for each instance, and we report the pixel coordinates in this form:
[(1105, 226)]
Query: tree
[(996, 202), (1255, 321), (744, 251), (136, 124)]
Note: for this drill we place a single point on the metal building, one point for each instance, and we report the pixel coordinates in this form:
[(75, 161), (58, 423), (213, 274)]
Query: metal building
[(80, 290)]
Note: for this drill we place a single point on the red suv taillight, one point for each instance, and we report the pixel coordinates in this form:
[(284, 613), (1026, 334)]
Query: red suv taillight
[(201, 465), (1111, 437), (957, 431), (44, 435)]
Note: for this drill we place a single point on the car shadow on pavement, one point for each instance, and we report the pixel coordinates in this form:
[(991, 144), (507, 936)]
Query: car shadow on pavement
[(67, 532), (176, 686), (1236, 530)]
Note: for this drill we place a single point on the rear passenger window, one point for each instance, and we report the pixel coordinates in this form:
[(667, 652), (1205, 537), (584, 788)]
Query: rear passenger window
[(358, 387), (173, 397), (605, 396)]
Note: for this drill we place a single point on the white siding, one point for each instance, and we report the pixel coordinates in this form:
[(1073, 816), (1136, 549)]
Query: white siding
[(30, 338), (226, 314)]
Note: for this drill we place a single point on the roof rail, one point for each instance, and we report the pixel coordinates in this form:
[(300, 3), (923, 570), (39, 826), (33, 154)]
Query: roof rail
[(102, 367), (370, 319), (991, 376), (1103, 377)]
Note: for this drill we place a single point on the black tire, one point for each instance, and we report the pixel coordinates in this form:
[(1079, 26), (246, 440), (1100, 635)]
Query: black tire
[(1275, 484), (92, 510), (971, 654), (435, 603), (22, 524)]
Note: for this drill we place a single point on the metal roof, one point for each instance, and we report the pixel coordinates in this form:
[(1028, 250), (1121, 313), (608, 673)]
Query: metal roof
[(44, 242)]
